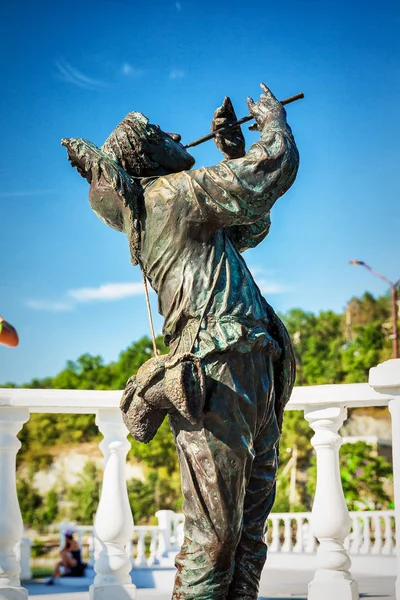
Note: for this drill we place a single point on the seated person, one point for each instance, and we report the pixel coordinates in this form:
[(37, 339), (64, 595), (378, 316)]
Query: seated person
[(71, 564), (8, 335)]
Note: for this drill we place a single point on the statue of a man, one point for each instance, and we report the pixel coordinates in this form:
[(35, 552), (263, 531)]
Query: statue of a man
[(187, 229)]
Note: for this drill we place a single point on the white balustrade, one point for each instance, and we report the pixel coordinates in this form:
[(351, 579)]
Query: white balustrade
[(330, 519), (140, 560), (11, 527), (153, 560), (273, 523), (324, 407), (287, 544), (354, 540), (366, 546), (299, 546), (377, 546), (177, 531), (113, 523), (166, 527), (388, 547), (385, 379), (23, 554)]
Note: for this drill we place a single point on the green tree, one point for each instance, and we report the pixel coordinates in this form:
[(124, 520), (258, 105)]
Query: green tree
[(30, 502), (364, 477), (160, 452), (363, 352), (84, 496), (318, 342), (50, 509), (161, 490)]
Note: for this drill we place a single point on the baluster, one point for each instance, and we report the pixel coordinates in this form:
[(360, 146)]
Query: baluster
[(385, 379), (152, 560), (113, 522), (165, 521), (356, 535), (11, 526), (311, 542), (23, 554), (346, 543), (299, 546), (330, 519), (275, 542), (388, 545), (79, 540), (91, 549), (129, 551), (140, 559), (177, 532), (287, 544), (180, 534), (366, 546), (377, 547)]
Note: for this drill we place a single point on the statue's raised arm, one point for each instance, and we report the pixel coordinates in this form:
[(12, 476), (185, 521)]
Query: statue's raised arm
[(242, 189)]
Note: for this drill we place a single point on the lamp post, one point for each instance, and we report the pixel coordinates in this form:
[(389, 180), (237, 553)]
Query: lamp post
[(394, 287)]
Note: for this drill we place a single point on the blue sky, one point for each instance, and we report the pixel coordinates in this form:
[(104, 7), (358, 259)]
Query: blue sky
[(74, 69)]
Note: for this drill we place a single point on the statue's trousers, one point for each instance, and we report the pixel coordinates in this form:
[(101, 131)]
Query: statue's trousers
[(228, 468)]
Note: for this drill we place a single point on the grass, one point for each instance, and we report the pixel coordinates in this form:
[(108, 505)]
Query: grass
[(40, 572)]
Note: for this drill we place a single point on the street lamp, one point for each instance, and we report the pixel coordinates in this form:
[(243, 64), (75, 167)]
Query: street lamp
[(394, 287)]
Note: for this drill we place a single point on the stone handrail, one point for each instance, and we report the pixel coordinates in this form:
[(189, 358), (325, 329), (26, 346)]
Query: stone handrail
[(325, 408), (372, 532)]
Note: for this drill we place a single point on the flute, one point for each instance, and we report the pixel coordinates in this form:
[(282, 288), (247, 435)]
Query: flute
[(209, 136)]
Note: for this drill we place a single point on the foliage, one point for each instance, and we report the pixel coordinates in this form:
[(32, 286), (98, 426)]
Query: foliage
[(159, 491), (364, 477), (364, 351), (39, 572), (160, 452), (36, 511), (84, 496), (341, 348), (317, 344), (30, 502)]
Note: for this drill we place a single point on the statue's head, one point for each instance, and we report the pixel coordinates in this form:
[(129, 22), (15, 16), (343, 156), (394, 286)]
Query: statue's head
[(143, 149)]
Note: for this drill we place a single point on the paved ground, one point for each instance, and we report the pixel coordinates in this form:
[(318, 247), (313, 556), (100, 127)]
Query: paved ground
[(275, 585)]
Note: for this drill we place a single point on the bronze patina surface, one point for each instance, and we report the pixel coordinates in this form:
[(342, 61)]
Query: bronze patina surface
[(230, 370)]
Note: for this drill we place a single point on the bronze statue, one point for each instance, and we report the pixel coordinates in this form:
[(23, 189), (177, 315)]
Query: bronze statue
[(230, 369)]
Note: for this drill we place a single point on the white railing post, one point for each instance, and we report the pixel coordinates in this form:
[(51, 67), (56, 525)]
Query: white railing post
[(275, 544), (287, 543), (11, 527), (366, 545), (140, 560), (153, 560), (23, 553), (330, 520), (299, 546), (377, 547), (385, 379), (113, 522), (165, 519), (388, 545)]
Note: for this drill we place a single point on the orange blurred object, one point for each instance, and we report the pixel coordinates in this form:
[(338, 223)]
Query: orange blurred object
[(8, 334)]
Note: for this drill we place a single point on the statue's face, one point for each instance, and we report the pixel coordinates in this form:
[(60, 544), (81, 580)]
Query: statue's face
[(169, 153)]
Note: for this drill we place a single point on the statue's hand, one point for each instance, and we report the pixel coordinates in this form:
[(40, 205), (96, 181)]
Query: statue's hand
[(232, 143), (267, 109), (79, 156)]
